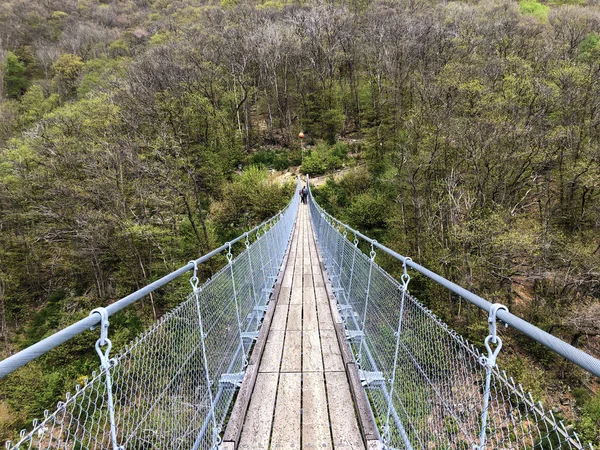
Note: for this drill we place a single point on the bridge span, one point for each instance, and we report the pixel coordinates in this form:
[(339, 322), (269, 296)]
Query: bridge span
[(301, 341)]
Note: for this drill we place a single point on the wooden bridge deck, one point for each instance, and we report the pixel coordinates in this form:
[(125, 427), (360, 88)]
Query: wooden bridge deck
[(301, 398)]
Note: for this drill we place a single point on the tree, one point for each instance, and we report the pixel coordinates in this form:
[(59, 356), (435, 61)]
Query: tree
[(15, 82), (66, 71)]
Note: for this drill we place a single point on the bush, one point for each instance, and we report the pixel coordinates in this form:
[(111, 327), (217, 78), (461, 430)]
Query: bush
[(275, 159), (368, 211), (322, 158), (14, 76), (247, 201), (534, 8)]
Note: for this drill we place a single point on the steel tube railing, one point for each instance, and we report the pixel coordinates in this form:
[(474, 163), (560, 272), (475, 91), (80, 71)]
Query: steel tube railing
[(571, 353), (38, 349)]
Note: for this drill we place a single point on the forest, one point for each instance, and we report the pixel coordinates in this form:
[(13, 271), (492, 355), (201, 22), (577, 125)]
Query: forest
[(137, 134)]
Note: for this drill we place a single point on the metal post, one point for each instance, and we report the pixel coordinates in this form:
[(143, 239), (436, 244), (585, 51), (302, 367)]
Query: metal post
[(334, 257)]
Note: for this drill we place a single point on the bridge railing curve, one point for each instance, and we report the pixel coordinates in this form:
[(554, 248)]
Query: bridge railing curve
[(172, 386), (428, 386)]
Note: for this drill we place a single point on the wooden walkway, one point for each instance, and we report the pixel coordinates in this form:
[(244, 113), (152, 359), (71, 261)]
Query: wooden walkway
[(301, 397)]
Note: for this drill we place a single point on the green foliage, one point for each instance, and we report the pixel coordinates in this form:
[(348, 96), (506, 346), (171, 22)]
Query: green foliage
[(66, 71), (99, 74), (322, 158), (368, 211), (15, 81), (590, 422), (476, 126), (250, 199), (535, 8), (34, 105), (276, 159), (589, 49), (331, 124)]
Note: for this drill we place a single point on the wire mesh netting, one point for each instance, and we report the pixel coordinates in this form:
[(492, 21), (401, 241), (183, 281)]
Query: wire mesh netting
[(425, 382), (173, 386)]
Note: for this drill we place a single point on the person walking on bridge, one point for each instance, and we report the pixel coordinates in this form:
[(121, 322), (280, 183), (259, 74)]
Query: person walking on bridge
[(304, 194)]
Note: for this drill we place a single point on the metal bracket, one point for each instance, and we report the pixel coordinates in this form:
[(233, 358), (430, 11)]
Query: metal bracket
[(232, 379), (370, 379), (251, 335), (492, 319), (354, 334), (261, 308)]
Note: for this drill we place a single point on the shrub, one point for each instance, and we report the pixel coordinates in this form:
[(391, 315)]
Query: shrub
[(534, 8)]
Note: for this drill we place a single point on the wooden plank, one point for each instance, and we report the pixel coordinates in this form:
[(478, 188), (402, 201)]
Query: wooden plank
[(257, 426), (308, 285), (292, 352), (296, 297), (308, 292), (238, 413), (345, 349), (332, 355), (286, 423), (321, 294), (272, 354), (312, 359), (363, 408), (280, 317), (315, 420), (344, 426), (288, 278), (309, 318), (325, 320), (323, 309), (284, 295), (294, 322)]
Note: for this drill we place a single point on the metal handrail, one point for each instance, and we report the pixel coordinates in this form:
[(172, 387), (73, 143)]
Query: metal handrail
[(38, 349), (571, 353)]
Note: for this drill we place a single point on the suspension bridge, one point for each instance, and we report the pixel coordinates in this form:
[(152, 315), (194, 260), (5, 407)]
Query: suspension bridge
[(301, 341)]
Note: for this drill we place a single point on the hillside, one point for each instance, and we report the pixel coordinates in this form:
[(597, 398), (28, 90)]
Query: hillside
[(135, 134)]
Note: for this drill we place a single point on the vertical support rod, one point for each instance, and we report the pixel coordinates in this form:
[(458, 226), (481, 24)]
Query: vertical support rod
[(237, 307), (105, 363), (489, 363), (403, 289), (196, 290), (254, 296), (368, 293), (259, 243), (349, 297), (336, 238)]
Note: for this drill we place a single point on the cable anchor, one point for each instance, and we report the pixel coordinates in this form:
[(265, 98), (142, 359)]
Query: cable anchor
[(194, 279), (372, 254), (229, 256)]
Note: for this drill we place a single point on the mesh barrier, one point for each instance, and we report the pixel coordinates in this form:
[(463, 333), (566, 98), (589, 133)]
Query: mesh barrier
[(172, 387), (426, 384)]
